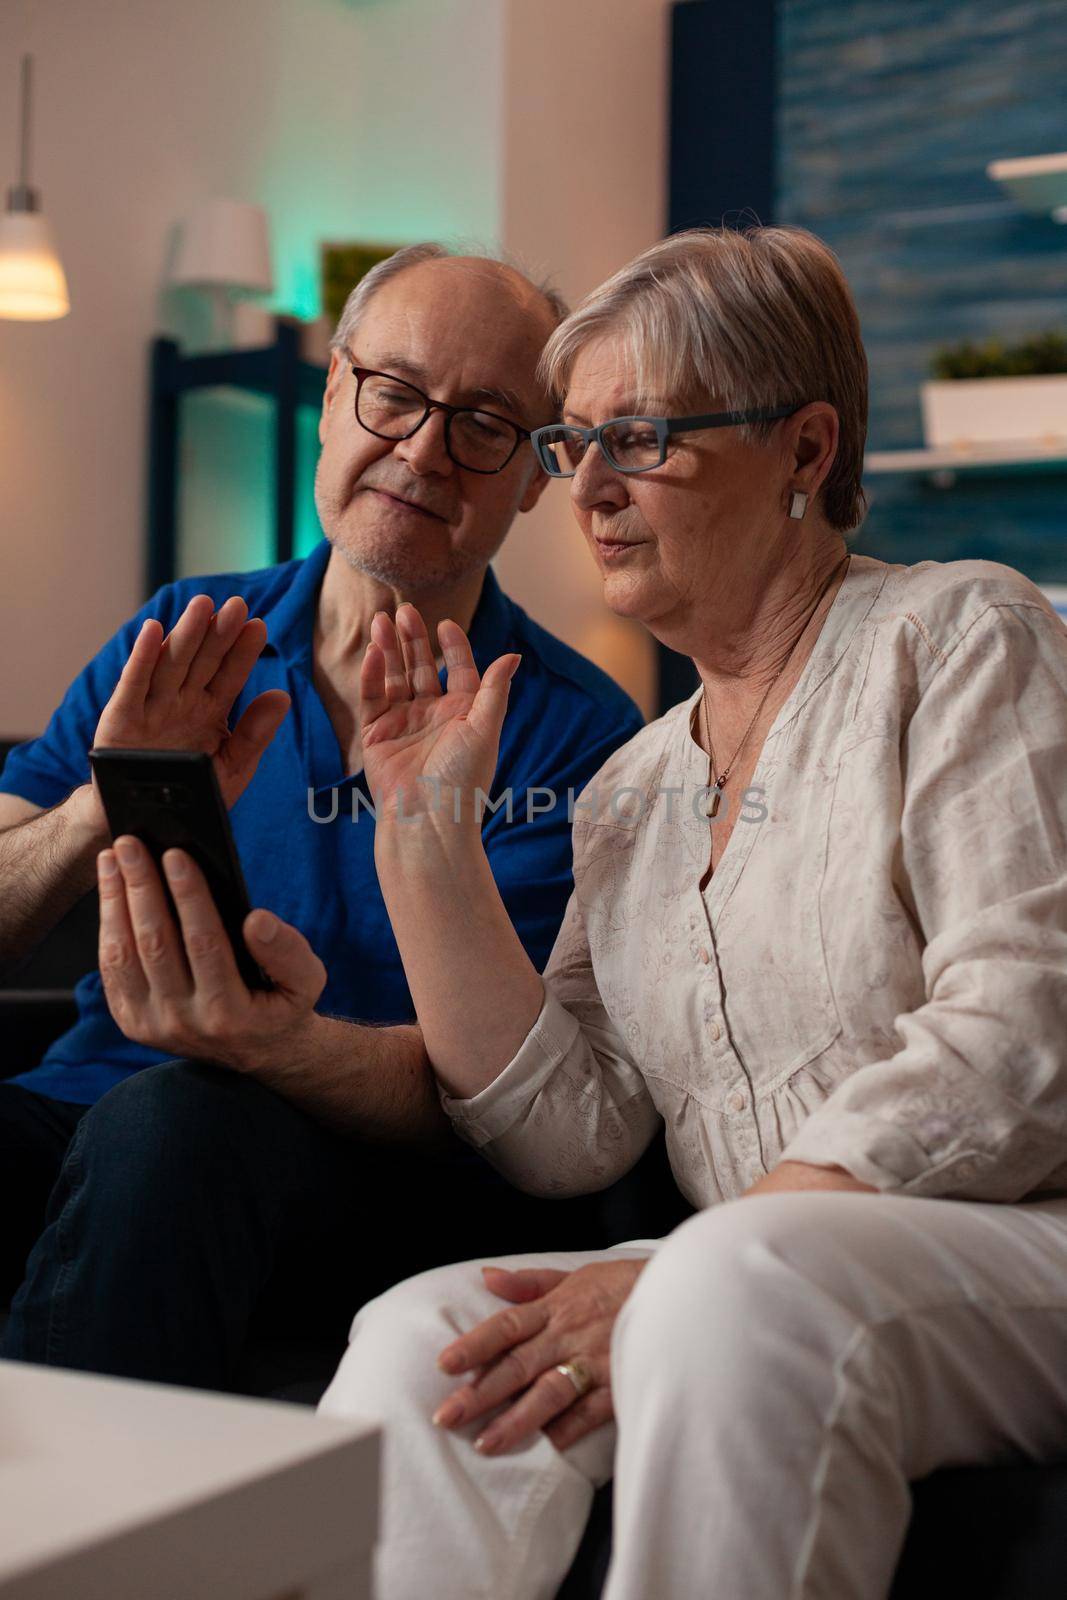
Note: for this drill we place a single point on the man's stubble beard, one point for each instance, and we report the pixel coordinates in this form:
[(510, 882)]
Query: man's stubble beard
[(394, 565)]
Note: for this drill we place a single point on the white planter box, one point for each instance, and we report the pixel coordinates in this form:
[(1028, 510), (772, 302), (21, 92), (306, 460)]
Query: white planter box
[(976, 411)]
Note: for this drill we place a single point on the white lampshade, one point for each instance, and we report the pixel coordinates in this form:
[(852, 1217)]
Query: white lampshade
[(225, 244), (33, 287)]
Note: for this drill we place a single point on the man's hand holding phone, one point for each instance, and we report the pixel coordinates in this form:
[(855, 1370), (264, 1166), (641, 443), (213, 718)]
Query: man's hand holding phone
[(176, 692), (175, 986)]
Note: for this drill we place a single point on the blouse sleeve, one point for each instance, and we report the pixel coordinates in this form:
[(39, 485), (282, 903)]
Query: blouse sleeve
[(570, 1113), (974, 1104)]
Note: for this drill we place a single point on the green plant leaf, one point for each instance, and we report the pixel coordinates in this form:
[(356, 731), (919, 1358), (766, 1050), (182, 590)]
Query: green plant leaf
[(1041, 353)]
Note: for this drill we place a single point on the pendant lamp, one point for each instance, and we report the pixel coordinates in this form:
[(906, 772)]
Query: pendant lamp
[(33, 287)]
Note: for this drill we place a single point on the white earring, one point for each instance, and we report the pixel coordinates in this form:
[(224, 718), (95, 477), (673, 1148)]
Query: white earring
[(798, 505)]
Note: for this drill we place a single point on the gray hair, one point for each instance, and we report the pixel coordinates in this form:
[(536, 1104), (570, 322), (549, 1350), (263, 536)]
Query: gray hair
[(413, 255), (759, 317)]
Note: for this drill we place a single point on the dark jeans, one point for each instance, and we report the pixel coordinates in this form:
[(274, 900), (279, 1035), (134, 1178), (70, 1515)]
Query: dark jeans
[(194, 1207), (34, 1135)]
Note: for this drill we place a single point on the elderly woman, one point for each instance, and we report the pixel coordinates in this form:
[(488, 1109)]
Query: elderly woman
[(818, 931)]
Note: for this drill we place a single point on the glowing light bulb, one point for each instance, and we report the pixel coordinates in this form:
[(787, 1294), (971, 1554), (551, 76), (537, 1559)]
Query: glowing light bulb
[(33, 286)]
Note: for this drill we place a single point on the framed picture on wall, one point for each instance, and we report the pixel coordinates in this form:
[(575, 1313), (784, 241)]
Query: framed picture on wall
[(342, 266)]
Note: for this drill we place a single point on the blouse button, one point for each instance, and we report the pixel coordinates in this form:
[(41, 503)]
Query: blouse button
[(714, 1030), (736, 1101), (705, 955)]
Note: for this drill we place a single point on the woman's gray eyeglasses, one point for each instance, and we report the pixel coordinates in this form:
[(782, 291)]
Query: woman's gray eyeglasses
[(631, 444), (390, 408)]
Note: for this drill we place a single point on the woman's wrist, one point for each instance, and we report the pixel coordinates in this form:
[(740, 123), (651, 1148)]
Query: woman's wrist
[(427, 842)]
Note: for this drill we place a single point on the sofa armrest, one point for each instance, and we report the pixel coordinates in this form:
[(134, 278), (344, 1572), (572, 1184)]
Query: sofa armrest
[(29, 1020)]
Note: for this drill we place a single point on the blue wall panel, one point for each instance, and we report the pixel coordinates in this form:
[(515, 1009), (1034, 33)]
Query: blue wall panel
[(722, 126), (887, 113)]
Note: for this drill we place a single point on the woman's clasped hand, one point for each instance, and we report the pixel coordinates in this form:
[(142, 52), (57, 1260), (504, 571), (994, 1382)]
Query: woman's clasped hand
[(515, 1357)]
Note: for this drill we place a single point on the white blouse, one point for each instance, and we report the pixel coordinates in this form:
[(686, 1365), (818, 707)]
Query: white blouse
[(876, 975)]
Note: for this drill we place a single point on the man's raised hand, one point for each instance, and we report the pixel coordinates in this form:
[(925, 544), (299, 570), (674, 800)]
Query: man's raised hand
[(176, 692)]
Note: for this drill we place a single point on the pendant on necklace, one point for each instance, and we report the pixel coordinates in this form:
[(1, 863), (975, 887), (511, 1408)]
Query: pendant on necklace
[(711, 804)]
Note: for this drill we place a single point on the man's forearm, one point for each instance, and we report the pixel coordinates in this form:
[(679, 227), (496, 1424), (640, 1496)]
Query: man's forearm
[(46, 864), (376, 1082)]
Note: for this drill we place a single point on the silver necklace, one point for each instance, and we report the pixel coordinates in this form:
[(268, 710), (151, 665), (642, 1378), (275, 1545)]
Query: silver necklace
[(714, 799)]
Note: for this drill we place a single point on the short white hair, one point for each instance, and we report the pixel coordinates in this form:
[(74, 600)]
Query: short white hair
[(746, 319), (413, 255)]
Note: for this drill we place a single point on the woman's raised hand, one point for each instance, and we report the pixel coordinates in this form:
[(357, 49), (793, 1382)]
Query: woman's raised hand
[(425, 749)]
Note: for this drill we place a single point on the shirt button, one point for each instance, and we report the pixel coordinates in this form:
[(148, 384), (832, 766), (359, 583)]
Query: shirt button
[(705, 955), (714, 1030), (735, 1101)]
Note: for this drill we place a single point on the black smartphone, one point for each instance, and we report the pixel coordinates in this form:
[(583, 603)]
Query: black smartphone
[(170, 799)]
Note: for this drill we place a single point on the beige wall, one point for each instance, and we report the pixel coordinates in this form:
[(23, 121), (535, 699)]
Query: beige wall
[(386, 119), (585, 161)]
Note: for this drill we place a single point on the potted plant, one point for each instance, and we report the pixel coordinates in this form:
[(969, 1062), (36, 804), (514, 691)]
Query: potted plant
[(992, 393)]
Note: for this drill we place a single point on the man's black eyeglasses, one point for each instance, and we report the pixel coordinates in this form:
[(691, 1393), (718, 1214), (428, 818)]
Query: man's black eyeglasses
[(391, 408)]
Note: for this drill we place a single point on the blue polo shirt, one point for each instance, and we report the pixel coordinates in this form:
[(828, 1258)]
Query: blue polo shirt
[(303, 826)]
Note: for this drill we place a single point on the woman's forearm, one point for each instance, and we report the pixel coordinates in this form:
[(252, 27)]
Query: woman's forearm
[(793, 1177), (476, 992)]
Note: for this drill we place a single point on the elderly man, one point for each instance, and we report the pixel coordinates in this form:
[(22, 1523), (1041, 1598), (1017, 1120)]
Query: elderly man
[(228, 1156)]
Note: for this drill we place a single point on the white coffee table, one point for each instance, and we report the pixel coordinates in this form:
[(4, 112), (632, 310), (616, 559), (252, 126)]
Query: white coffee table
[(117, 1490)]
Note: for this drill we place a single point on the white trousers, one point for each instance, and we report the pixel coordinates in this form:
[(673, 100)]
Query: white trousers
[(783, 1368)]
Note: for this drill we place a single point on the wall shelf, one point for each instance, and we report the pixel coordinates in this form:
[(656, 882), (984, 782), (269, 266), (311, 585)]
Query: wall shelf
[(943, 465), (275, 371)]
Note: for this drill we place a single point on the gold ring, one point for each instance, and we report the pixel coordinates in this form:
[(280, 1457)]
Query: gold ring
[(579, 1374)]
